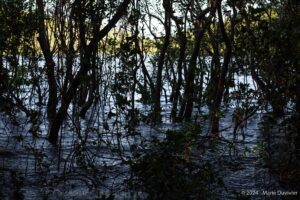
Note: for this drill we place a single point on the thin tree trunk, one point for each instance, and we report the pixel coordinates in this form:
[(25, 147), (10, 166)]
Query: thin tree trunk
[(50, 64), (224, 71), (157, 108), (188, 100), (182, 44), (84, 68)]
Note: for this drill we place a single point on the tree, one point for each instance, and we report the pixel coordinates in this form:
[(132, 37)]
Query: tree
[(167, 4), (86, 59), (228, 39)]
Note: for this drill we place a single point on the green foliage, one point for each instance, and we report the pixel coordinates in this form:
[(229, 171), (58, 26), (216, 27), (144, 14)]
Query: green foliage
[(19, 138), (17, 25), (145, 95), (166, 171)]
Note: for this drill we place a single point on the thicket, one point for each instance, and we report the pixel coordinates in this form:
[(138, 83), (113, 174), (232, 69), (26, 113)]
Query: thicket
[(102, 61)]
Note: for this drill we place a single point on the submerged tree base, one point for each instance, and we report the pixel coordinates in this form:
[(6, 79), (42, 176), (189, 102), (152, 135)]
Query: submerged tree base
[(167, 162)]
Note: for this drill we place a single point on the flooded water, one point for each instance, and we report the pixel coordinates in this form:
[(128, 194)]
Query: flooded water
[(96, 166), (96, 154)]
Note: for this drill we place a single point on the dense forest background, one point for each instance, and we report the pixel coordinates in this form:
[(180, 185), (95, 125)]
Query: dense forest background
[(133, 93)]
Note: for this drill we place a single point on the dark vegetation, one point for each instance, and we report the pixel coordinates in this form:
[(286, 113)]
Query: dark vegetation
[(97, 71)]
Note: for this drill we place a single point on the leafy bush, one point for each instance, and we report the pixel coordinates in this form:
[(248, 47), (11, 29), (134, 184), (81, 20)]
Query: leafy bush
[(167, 171)]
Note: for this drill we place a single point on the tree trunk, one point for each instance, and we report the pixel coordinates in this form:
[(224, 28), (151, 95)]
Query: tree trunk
[(179, 82), (50, 64), (84, 68), (188, 100), (224, 71), (182, 44), (157, 109)]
